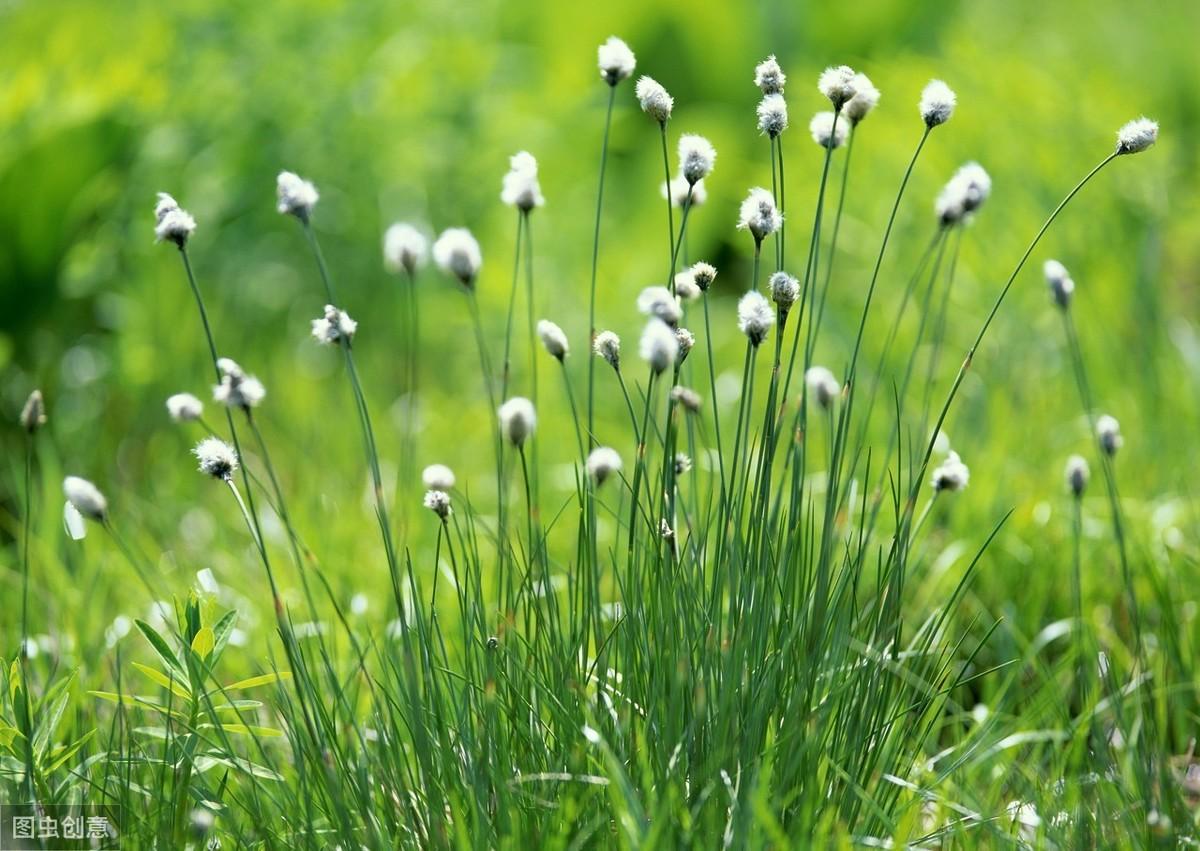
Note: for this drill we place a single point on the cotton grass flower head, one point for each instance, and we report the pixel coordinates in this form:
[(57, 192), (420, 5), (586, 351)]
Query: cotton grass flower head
[(607, 345), (518, 420), (33, 413), (686, 340), (457, 253), (687, 397), (172, 223), (520, 187), (1077, 474), (659, 346), (184, 407), (823, 386), (755, 317), (696, 157), (785, 289), (769, 77), (772, 115), (1137, 135), (438, 502), (759, 215), (85, 498), (963, 194), (335, 326), (297, 196), (616, 60), (703, 275), (837, 84), (237, 389), (951, 475), (685, 286), (553, 339), (1108, 433), (683, 463), (654, 99), (404, 247), (828, 131), (684, 194), (438, 477), (1058, 279), (866, 98), (660, 303), (602, 463), (217, 458), (937, 103)]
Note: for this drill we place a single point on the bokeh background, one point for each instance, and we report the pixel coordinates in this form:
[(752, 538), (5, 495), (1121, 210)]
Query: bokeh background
[(409, 111)]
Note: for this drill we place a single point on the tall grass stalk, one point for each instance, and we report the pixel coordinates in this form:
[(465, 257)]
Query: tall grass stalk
[(591, 404)]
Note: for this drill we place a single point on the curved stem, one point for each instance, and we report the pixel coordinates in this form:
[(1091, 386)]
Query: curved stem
[(612, 95)]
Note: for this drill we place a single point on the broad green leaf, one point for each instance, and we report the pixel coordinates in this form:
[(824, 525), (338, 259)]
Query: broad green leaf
[(203, 643), (163, 680), (160, 647), (246, 729), (222, 631), (264, 680)]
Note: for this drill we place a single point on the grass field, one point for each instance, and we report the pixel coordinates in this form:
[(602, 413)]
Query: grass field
[(775, 615)]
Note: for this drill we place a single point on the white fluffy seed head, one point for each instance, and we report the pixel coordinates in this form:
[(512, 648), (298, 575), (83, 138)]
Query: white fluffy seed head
[(785, 289), (520, 187), (759, 215), (184, 407), (686, 339), (1077, 474), (703, 275), (33, 413), (951, 475), (659, 346), (687, 397), (553, 338), (404, 247), (1058, 279), (296, 196), (517, 420), (654, 99), (866, 98), (829, 130), (837, 84), (772, 115), (85, 497), (237, 389), (661, 304), (438, 477), (1137, 136), (683, 193), (683, 463), (963, 194), (1108, 433), (457, 253), (769, 77), (216, 457), (755, 317), (171, 222), (335, 326), (822, 385), (937, 103), (685, 286), (696, 158), (438, 502), (607, 345), (616, 60), (602, 463)]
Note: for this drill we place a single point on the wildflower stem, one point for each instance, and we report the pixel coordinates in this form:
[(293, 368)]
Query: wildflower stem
[(512, 304), (640, 462), (612, 95), (23, 655), (670, 209)]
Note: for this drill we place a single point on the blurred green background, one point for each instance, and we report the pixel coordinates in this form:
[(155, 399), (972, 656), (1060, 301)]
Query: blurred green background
[(405, 111)]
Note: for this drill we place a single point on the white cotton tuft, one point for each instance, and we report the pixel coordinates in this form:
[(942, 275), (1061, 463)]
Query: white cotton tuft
[(687, 397), (654, 99), (438, 477), (703, 275), (696, 157), (404, 247), (683, 463), (963, 194), (172, 223), (755, 317), (33, 412), (237, 389), (837, 84), (217, 458), (772, 115), (457, 253), (1077, 474), (686, 340), (334, 327), (685, 286), (829, 130), (297, 196), (759, 215), (438, 502), (607, 345), (517, 420), (785, 289), (520, 187), (184, 407), (937, 103), (553, 339), (1137, 135), (683, 193), (951, 475), (1058, 279), (823, 385), (661, 304), (616, 60), (85, 497), (659, 346), (866, 98), (769, 77), (1108, 433), (602, 463)]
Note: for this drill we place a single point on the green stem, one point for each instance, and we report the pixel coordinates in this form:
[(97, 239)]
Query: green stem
[(612, 95)]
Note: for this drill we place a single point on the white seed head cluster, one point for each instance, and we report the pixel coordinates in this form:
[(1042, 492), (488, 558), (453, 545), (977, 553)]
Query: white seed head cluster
[(696, 158), (686, 340), (404, 247), (184, 407), (769, 77), (457, 253), (217, 458), (33, 413), (607, 345), (937, 103), (866, 98), (654, 99), (823, 385), (661, 304), (520, 187), (438, 502), (683, 463), (438, 477), (1136, 136), (1058, 279), (237, 389), (602, 463), (759, 215), (951, 475), (334, 327), (85, 497), (963, 194), (659, 346), (172, 223), (296, 196), (785, 289), (1108, 433), (616, 60), (685, 286), (1077, 474), (829, 130), (553, 339), (837, 84), (755, 317), (518, 420), (772, 115), (703, 275), (687, 397), (683, 193)]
